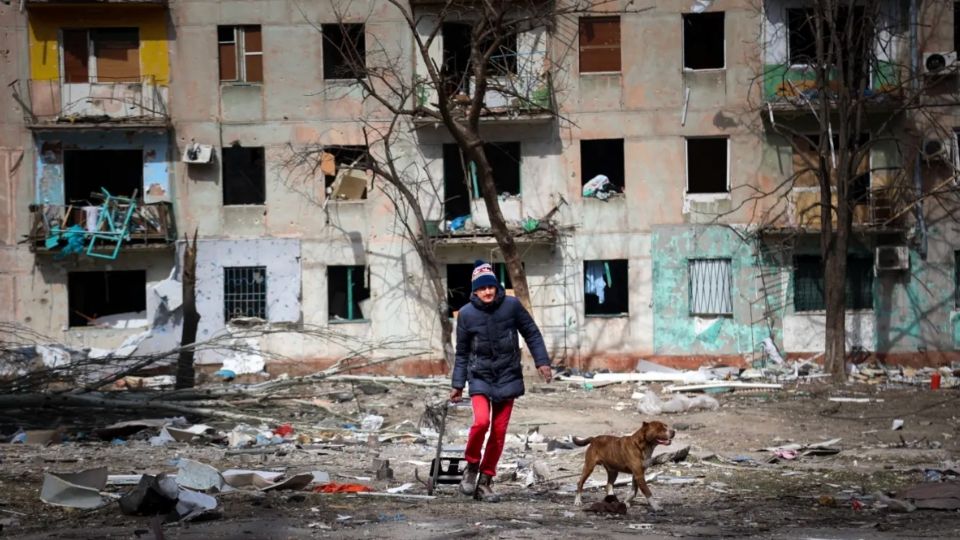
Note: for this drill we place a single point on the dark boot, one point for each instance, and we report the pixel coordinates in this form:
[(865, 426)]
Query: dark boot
[(485, 491), (468, 485)]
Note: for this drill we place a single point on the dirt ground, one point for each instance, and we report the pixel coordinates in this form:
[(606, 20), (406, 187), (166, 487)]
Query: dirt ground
[(726, 488)]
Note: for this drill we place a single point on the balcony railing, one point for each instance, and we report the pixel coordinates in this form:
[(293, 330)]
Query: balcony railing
[(57, 103), (882, 209), (56, 226), (792, 87)]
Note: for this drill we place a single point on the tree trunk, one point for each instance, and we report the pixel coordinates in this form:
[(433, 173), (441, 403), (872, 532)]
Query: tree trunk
[(191, 319), (834, 292), (511, 255)]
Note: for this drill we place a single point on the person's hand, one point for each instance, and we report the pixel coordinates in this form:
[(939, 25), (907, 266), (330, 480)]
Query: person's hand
[(546, 373), (456, 395)]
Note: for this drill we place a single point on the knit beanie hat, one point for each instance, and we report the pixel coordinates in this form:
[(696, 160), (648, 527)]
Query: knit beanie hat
[(483, 276)]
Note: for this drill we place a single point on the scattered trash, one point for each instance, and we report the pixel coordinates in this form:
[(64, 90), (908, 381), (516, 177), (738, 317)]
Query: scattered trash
[(894, 505), (199, 476), (794, 451), (153, 495), (897, 424), (400, 489), (651, 405), (75, 490), (371, 422)]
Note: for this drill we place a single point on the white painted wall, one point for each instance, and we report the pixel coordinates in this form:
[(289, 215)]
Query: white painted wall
[(803, 332)]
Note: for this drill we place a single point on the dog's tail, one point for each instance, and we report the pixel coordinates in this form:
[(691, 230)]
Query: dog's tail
[(582, 442)]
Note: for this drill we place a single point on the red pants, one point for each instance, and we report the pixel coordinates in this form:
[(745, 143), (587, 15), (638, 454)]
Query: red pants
[(483, 409)]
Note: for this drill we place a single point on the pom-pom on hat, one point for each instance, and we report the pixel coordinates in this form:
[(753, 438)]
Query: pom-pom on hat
[(483, 276)]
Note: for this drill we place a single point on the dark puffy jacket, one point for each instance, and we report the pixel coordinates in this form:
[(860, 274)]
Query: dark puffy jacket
[(488, 351)]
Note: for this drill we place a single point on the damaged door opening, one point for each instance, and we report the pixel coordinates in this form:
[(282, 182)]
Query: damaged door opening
[(85, 172), (95, 295), (460, 179), (348, 289)]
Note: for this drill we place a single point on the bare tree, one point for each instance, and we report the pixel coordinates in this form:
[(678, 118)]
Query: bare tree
[(843, 69)]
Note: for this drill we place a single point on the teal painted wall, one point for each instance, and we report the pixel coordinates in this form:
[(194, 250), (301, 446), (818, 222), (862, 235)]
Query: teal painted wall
[(675, 330)]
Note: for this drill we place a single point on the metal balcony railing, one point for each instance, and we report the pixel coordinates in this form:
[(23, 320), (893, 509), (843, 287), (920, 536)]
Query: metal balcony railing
[(55, 226), (56, 102)]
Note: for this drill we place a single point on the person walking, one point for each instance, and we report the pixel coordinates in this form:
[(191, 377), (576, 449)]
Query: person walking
[(488, 356)]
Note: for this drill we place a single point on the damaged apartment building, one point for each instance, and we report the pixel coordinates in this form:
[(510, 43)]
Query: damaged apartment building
[(641, 136)]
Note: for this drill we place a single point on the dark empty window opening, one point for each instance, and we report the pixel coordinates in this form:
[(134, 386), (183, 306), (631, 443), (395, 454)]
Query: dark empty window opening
[(599, 44), (344, 51), (707, 165), (606, 290), (241, 53), (461, 182), (802, 42), (98, 294), (457, 51), (956, 26), (244, 175), (86, 172), (345, 156), (459, 283), (603, 157), (703, 41), (808, 287), (244, 292), (347, 288)]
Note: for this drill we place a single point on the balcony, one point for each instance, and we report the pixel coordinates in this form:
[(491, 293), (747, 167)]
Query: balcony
[(881, 211), (56, 104), (95, 231), (792, 89)]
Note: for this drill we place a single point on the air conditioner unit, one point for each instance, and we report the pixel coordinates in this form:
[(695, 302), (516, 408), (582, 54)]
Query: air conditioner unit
[(939, 63), (934, 149), (892, 258), (197, 153)]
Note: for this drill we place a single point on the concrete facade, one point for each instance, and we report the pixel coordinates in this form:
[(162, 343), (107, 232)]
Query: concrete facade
[(653, 104)]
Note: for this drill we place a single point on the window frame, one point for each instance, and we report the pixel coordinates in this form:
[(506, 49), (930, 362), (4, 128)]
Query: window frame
[(350, 269), (849, 292), (711, 195), (93, 69), (72, 306), (227, 318), (240, 53), (581, 46), (620, 183), (729, 287), (683, 33)]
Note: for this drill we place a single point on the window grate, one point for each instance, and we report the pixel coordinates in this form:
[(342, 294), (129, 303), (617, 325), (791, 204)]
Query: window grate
[(710, 287), (244, 292), (808, 286)]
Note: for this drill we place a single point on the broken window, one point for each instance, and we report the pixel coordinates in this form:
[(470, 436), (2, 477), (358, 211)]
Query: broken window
[(459, 283), (93, 295), (703, 41), (348, 288), (457, 48), (599, 44), (86, 172), (241, 53), (603, 157), (802, 42), (244, 292), (101, 55), (707, 165), (334, 162), (606, 290), (244, 175), (808, 283), (344, 51), (460, 176), (956, 26), (710, 282)]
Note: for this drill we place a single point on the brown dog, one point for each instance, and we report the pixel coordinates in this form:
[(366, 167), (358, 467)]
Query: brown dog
[(629, 454)]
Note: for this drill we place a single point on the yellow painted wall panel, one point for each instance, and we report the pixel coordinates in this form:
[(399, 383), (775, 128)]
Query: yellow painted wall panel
[(45, 23)]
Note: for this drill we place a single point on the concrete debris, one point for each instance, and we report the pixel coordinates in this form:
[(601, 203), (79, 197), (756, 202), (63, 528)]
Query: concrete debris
[(649, 404), (896, 425), (933, 495), (75, 490)]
